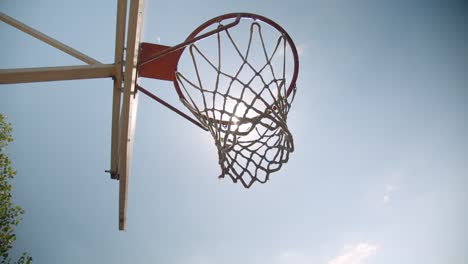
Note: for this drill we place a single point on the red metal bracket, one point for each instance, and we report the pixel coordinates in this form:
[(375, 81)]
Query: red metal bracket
[(160, 62), (163, 67)]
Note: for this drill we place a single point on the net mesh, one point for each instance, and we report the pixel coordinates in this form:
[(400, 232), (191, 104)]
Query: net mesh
[(245, 108)]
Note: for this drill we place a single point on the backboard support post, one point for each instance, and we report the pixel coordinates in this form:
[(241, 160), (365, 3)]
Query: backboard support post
[(117, 90), (127, 116)]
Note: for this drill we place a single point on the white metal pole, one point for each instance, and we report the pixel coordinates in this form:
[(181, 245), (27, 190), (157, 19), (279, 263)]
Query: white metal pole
[(133, 40), (116, 97), (45, 74)]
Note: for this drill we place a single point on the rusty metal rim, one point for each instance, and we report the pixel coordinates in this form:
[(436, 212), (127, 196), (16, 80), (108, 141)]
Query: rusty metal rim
[(255, 17)]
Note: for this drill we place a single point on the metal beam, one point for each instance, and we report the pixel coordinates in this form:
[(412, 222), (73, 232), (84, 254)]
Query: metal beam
[(116, 97), (128, 112), (49, 40), (45, 74)]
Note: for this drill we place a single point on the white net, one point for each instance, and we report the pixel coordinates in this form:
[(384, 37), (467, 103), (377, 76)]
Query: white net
[(242, 94)]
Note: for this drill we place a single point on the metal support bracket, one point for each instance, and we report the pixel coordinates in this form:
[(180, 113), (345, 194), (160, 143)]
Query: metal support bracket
[(172, 108)]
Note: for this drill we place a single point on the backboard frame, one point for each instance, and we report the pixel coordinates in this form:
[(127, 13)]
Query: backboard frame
[(123, 73)]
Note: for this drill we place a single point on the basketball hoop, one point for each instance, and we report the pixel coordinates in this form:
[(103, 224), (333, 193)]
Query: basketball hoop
[(241, 91)]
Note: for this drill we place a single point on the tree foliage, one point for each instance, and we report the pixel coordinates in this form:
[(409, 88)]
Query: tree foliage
[(10, 214)]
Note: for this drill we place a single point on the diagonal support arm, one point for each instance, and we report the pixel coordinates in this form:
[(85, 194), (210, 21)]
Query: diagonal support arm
[(49, 40), (164, 103)]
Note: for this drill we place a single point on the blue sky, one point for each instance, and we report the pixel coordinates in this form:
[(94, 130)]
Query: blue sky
[(379, 174)]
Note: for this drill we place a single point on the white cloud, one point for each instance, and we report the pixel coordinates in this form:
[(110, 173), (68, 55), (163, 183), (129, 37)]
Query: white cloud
[(386, 198), (388, 190), (356, 254)]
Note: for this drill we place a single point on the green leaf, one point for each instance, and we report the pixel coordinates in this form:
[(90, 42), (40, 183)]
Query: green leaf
[(10, 215)]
